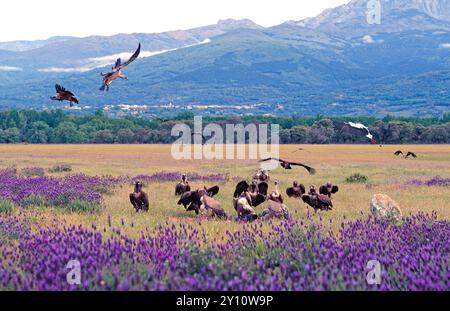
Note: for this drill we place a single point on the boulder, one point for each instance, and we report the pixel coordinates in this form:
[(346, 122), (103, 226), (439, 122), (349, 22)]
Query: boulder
[(383, 207)]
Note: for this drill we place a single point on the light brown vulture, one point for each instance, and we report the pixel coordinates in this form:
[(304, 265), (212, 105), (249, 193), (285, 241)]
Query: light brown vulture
[(139, 199), (261, 176), (213, 207), (63, 94), (317, 201), (275, 209), (409, 154), (296, 191), (328, 189), (243, 207), (116, 71), (356, 129), (287, 165), (183, 186), (276, 195)]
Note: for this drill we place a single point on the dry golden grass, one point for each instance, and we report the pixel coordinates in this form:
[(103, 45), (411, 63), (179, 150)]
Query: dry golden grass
[(387, 174)]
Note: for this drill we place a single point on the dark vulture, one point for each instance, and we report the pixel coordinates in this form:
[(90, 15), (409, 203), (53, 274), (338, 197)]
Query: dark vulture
[(183, 186), (63, 94), (317, 201), (409, 154), (116, 71), (257, 193), (139, 199), (191, 200), (328, 189), (356, 129), (275, 195), (261, 176), (296, 191), (288, 165)]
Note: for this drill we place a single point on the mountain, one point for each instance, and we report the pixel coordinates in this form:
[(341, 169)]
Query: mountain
[(334, 64)]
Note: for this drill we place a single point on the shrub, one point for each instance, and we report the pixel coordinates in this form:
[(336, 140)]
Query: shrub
[(34, 200), (33, 171), (59, 168), (357, 178), (6, 207), (79, 206)]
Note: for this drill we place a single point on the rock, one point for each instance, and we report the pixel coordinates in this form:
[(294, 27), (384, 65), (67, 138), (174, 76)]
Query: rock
[(383, 207)]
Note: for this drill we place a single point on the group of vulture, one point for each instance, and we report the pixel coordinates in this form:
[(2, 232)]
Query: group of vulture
[(62, 94)]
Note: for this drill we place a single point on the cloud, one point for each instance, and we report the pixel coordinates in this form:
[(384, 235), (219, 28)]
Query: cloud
[(445, 46), (368, 39), (10, 68), (108, 60)]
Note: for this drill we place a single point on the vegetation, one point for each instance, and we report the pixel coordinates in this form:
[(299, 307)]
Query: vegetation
[(42, 127), (357, 178)]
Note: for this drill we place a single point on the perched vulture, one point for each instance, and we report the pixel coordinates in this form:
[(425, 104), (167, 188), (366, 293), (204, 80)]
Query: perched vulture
[(213, 207), (276, 195), (182, 186), (409, 154), (243, 208), (139, 199), (192, 200), (116, 71), (257, 193), (261, 176), (275, 209), (296, 191), (288, 165), (328, 189), (63, 94), (317, 201), (356, 129)]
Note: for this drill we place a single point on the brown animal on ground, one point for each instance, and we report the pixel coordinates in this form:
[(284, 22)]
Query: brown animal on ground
[(139, 199), (276, 195), (257, 192), (183, 186), (328, 189), (213, 207), (296, 191), (191, 200), (317, 201)]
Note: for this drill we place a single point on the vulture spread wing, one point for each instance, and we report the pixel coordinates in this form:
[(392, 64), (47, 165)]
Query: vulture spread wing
[(213, 191), (185, 199), (311, 170), (334, 189), (411, 154), (324, 199), (397, 153), (258, 200), (61, 90), (324, 190), (132, 58), (263, 188), (241, 187)]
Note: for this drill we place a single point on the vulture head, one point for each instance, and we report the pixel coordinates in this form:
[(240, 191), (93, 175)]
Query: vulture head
[(137, 186)]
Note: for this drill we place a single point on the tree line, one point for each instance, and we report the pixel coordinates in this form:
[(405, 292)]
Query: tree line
[(57, 127)]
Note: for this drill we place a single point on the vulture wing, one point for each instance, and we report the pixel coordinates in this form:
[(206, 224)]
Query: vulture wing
[(263, 187), (270, 159), (213, 191), (311, 170), (185, 199), (259, 199), (323, 190), (334, 189), (144, 197), (307, 199), (411, 154), (240, 188), (118, 63), (133, 199), (291, 192), (60, 89), (132, 59), (324, 199), (397, 153)]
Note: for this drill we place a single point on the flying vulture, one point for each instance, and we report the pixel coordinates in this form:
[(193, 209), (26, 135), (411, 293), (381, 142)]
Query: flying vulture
[(256, 193), (183, 186), (356, 129), (328, 189), (412, 154), (317, 201), (63, 94), (139, 199), (296, 191), (116, 71), (288, 165), (276, 196)]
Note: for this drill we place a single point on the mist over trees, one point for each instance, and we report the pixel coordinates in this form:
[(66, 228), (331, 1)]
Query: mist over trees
[(56, 127)]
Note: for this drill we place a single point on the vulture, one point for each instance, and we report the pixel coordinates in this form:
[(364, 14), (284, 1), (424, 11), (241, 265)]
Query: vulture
[(191, 200), (261, 176), (139, 199), (275, 209), (243, 207), (356, 129), (116, 71), (317, 201), (256, 193), (182, 186), (328, 189), (288, 165), (63, 94), (213, 207), (276, 196), (296, 191), (412, 154)]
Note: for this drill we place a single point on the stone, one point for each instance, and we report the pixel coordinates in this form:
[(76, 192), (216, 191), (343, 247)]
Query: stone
[(383, 207)]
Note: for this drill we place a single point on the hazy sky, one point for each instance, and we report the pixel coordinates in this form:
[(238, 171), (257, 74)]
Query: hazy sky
[(31, 19)]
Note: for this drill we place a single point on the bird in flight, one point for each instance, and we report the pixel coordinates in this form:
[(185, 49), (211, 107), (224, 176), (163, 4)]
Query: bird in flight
[(63, 94), (116, 71), (287, 165), (357, 129), (409, 154)]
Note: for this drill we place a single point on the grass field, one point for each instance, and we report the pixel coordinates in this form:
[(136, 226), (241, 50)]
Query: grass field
[(387, 174)]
